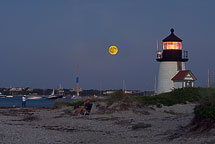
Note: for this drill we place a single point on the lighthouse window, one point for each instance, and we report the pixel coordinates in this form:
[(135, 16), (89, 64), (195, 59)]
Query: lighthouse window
[(172, 45), (179, 66)]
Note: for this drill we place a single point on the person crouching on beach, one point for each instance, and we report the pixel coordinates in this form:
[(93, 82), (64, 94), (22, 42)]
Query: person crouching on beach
[(23, 101), (84, 109)]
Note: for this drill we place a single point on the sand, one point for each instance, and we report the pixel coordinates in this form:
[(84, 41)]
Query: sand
[(53, 126)]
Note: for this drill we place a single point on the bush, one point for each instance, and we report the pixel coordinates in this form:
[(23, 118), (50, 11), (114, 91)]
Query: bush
[(60, 104), (119, 96), (177, 96), (204, 112), (206, 108), (77, 103)]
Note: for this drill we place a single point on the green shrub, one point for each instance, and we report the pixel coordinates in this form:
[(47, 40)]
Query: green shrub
[(59, 104), (178, 96), (206, 108), (119, 96), (77, 103), (204, 112)]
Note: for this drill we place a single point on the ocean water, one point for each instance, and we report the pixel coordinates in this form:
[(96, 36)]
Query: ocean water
[(16, 101)]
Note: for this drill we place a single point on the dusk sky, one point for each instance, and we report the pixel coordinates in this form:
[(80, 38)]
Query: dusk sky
[(41, 39)]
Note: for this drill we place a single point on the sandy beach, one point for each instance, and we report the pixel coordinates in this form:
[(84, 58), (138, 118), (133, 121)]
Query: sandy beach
[(53, 126)]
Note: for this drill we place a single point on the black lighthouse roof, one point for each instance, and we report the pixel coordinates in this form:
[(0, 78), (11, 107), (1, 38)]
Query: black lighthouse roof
[(172, 37)]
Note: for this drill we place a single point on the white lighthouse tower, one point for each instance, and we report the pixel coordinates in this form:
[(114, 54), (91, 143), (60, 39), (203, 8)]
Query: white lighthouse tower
[(172, 63)]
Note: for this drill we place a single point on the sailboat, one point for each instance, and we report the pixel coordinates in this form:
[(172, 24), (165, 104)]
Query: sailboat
[(1, 95), (60, 92), (10, 96), (52, 96)]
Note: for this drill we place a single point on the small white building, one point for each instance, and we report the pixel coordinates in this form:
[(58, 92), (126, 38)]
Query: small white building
[(184, 78)]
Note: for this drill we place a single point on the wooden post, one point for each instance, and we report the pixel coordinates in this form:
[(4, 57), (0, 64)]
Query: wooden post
[(208, 78), (211, 97)]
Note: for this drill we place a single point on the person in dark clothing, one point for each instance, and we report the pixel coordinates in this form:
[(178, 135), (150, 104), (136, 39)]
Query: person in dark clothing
[(84, 109), (88, 106)]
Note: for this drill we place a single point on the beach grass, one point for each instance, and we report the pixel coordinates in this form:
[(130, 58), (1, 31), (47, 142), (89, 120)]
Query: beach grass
[(119, 96), (178, 96), (59, 104)]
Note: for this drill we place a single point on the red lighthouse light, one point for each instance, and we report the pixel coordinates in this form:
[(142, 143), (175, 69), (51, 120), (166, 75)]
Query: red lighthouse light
[(172, 49), (172, 45)]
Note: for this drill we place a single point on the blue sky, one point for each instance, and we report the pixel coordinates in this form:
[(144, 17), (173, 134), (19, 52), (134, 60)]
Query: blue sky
[(40, 41)]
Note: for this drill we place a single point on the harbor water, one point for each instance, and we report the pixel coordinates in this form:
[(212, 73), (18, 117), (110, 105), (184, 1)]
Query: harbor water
[(16, 101)]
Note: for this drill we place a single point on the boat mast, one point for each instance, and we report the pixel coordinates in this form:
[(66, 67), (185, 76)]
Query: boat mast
[(77, 77), (100, 88), (123, 86)]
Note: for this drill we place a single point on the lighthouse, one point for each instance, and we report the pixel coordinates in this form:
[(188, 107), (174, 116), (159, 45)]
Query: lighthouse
[(172, 72)]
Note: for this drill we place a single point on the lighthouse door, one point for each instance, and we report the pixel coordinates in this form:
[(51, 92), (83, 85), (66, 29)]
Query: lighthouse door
[(188, 83)]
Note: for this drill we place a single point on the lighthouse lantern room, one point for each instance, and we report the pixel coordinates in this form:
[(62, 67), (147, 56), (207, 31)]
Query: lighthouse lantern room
[(172, 62)]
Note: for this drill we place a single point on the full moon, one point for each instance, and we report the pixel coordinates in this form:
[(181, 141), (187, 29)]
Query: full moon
[(113, 50)]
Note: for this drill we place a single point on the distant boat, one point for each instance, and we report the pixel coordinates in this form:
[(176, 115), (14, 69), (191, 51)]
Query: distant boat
[(95, 96), (60, 92), (9, 96), (34, 97), (73, 97), (52, 96), (1, 95), (56, 96)]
